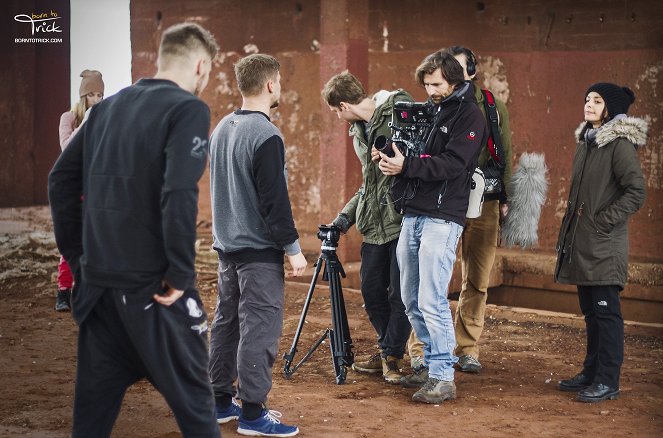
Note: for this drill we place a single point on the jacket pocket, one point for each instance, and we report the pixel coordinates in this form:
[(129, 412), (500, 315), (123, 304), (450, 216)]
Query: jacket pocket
[(362, 214), (388, 210)]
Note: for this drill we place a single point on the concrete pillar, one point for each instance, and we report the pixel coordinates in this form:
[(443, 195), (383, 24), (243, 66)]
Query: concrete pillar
[(343, 45)]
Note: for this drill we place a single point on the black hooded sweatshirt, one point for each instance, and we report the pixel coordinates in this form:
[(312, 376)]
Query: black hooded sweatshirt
[(437, 183)]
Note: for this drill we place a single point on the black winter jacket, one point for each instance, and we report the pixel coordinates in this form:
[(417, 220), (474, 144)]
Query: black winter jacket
[(437, 183)]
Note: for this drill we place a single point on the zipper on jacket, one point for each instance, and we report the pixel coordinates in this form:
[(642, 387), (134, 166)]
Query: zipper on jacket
[(441, 194), (575, 228)]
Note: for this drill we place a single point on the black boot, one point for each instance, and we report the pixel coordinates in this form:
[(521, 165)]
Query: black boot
[(575, 384), (598, 392), (63, 300)]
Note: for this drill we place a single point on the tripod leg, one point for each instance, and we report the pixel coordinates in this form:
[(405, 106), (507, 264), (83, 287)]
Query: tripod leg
[(340, 337), (340, 368), (290, 356)]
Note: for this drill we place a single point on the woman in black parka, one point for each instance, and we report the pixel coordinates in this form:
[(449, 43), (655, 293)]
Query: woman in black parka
[(607, 187)]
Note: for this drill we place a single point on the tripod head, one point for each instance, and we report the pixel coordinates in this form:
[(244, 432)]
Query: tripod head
[(329, 234)]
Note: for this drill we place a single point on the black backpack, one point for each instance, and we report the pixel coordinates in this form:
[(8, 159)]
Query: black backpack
[(493, 170)]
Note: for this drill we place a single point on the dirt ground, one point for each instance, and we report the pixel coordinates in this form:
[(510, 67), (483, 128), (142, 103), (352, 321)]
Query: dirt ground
[(524, 354)]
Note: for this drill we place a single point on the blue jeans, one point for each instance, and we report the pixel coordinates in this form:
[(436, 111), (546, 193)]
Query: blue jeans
[(426, 253)]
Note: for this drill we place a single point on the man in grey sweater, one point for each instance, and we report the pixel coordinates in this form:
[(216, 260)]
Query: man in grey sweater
[(252, 227)]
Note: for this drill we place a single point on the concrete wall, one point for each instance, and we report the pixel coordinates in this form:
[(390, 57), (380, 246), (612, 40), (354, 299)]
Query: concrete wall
[(539, 57)]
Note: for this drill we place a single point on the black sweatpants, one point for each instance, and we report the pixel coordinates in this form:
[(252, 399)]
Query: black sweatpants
[(381, 290), (605, 333), (127, 337)]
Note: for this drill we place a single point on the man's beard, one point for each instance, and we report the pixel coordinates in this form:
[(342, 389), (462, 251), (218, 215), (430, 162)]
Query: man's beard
[(274, 104)]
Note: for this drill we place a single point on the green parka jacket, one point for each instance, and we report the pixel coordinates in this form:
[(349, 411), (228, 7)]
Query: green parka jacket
[(607, 187), (371, 209)]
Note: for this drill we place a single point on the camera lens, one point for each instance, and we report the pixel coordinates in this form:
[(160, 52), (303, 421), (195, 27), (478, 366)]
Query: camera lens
[(383, 144)]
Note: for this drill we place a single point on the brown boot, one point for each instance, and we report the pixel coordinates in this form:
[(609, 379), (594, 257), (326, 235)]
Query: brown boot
[(371, 365), (391, 369)]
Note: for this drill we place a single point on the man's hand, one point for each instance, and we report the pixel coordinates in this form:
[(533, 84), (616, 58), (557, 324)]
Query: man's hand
[(298, 265), (169, 297), (375, 155), (504, 212), (394, 165)]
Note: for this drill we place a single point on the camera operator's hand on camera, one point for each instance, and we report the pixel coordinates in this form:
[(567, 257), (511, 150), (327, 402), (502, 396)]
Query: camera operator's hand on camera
[(393, 165), (298, 265), (375, 155)]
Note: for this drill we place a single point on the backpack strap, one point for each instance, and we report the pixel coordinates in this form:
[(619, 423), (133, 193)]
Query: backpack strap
[(495, 139)]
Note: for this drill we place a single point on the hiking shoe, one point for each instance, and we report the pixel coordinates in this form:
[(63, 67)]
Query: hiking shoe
[(469, 364), (435, 391), (230, 413), (63, 300), (268, 424), (372, 365), (416, 362), (575, 383), (417, 379), (391, 370)]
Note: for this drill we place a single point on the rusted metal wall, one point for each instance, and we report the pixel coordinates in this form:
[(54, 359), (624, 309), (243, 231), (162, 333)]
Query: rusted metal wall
[(34, 91), (540, 57)]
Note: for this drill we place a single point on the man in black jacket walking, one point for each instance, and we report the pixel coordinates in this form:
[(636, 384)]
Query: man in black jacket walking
[(130, 242), (432, 191)]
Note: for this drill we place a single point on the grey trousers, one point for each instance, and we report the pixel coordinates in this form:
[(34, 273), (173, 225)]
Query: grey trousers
[(246, 329)]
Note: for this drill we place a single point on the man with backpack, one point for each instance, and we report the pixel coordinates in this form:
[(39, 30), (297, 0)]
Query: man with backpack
[(480, 237)]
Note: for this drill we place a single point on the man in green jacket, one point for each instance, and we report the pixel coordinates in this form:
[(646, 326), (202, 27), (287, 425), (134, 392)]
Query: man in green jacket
[(479, 239), (372, 211)]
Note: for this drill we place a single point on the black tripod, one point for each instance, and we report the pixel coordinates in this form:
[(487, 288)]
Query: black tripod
[(339, 335)]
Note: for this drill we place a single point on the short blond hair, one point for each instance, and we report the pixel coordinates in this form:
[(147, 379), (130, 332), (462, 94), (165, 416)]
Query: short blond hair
[(180, 40), (254, 71)]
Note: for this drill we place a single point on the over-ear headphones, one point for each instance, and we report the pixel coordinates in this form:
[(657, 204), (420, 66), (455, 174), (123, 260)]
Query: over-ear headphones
[(471, 62), (470, 59)]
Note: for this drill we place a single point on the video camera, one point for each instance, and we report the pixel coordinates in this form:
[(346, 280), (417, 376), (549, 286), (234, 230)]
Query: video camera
[(410, 122)]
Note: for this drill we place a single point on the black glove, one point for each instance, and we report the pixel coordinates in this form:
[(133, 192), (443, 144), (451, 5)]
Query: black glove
[(343, 222)]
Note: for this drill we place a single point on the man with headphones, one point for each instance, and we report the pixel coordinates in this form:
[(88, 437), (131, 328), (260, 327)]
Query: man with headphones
[(480, 236)]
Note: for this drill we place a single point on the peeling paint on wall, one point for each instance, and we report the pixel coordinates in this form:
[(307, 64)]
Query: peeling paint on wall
[(385, 37), (494, 77), (224, 87), (651, 75), (560, 206), (251, 48), (651, 158), (646, 85), (291, 100)]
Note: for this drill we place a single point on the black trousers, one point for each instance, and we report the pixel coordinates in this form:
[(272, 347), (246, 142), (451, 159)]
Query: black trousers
[(605, 333), (380, 287), (127, 337)]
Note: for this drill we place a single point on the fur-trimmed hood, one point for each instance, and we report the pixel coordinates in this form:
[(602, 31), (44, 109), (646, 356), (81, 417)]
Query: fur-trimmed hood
[(634, 129)]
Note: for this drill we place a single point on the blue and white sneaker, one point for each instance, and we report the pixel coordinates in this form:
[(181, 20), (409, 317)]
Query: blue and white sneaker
[(232, 412), (268, 424)]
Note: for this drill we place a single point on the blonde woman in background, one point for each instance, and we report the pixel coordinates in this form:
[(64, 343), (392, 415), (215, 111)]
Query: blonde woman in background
[(91, 92)]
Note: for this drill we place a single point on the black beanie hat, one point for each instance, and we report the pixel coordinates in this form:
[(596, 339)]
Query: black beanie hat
[(617, 99)]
